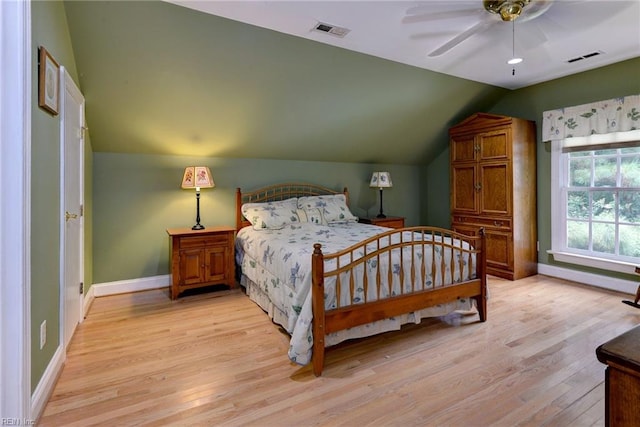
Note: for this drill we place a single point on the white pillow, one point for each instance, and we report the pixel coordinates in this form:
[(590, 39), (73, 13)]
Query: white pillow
[(271, 215), (333, 208)]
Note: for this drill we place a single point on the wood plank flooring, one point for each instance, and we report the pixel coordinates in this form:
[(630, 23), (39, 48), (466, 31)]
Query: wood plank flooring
[(216, 359)]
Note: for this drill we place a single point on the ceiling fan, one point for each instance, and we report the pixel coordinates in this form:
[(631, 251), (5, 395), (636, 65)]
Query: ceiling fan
[(498, 11)]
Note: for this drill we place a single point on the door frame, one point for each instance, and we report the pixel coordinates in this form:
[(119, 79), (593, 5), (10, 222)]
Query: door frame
[(67, 83), (15, 210)]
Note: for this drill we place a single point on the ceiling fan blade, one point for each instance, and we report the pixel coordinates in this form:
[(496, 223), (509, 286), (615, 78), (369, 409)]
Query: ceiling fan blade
[(535, 9), (436, 16), (530, 38), (475, 29), (428, 6), (429, 35)]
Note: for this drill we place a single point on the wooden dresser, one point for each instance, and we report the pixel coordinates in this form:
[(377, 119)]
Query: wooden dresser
[(201, 258), (493, 185), (622, 379)]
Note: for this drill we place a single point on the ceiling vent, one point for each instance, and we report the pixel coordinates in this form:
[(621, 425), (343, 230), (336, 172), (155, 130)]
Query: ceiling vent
[(587, 56), (331, 29)]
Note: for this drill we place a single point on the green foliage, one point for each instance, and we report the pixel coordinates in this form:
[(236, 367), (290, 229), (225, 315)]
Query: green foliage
[(578, 204), (630, 240), (578, 235)]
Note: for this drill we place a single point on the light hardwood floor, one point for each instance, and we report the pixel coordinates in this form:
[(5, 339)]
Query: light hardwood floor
[(216, 359)]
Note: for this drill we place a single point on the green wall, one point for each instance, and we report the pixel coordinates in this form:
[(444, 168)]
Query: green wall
[(138, 196), (49, 29), (529, 103), (220, 88)]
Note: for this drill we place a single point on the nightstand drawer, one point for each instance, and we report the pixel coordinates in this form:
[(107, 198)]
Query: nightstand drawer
[(199, 241), (390, 221)]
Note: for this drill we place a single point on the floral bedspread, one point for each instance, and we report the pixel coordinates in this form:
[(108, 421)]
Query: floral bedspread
[(279, 262)]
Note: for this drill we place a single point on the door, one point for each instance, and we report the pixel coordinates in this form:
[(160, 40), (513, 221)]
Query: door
[(495, 145), (499, 249), (495, 188), (217, 263), (192, 265), (72, 155), (463, 148), (464, 188)]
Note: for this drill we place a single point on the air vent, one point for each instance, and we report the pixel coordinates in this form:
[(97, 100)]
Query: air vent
[(331, 29), (587, 56)]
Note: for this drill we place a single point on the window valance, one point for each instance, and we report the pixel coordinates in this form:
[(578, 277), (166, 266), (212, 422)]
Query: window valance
[(613, 115)]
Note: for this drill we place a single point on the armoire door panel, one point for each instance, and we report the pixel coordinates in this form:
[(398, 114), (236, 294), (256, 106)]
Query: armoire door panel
[(495, 193), (494, 145), (464, 192), (463, 148), (499, 249)]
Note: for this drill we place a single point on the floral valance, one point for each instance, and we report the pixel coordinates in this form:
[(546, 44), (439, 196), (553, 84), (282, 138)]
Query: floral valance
[(613, 115)]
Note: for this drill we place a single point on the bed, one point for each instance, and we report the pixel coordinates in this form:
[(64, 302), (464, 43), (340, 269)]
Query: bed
[(303, 257)]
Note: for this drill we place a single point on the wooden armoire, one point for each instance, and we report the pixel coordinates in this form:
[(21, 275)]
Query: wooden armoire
[(493, 186)]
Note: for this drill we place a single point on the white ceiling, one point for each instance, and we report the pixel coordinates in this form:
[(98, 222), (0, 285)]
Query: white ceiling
[(568, 29)]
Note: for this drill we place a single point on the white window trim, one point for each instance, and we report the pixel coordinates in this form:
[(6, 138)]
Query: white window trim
[(558, 210)]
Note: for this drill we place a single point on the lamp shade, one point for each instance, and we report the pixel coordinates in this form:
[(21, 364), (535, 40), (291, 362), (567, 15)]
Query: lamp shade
[(381, 180), (197, 177)]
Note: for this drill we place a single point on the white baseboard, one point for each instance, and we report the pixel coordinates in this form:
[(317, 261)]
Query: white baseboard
[(45, 387), (88, 300), (132, 285), (620, 285)]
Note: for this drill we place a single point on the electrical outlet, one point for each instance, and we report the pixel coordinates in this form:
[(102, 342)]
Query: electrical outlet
[(43, 334)]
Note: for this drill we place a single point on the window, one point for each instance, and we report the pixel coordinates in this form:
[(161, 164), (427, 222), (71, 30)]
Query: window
[(596, 200)]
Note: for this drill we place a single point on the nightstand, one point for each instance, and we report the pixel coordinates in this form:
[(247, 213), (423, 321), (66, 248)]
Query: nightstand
[(390, 221), (201, 258)]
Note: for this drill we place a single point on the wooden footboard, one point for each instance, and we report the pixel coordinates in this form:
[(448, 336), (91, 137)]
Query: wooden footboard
[(422, 251)]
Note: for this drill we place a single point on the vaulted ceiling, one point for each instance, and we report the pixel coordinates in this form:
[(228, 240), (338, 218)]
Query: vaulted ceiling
[(463, 38), (165, 79)]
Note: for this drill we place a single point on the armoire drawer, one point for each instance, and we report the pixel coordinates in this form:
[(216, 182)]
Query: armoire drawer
[(501, 223)]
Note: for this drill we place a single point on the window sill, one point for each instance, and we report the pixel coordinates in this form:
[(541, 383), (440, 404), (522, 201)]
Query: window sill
[(587, 261)]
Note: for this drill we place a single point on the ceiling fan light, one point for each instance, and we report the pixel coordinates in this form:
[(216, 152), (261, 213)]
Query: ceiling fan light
[(509, 12), (514, 61)]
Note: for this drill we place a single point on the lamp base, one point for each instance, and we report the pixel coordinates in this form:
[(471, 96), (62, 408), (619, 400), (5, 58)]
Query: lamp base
[(381, 215), (198, 227)]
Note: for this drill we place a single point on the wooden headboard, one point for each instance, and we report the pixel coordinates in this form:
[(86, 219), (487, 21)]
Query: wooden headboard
[(279, 192)]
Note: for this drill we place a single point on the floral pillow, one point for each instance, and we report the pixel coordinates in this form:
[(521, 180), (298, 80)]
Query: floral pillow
[(333, 208), (271, 215)]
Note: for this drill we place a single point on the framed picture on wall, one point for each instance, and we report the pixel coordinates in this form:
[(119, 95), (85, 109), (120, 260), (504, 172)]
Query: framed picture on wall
[(48, 81)]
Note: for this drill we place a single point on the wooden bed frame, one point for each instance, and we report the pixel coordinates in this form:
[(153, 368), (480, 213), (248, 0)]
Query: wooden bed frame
[(343, 317)]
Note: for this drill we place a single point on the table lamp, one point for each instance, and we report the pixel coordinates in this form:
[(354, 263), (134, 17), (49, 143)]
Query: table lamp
[(197, 177), (381, 180)]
